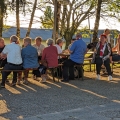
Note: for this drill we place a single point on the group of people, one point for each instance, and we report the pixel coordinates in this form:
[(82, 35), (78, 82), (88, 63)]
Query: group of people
[(39, 58), (14, 57)]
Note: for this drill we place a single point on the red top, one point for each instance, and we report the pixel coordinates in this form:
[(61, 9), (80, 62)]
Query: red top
[(50, 54), (101, 49)]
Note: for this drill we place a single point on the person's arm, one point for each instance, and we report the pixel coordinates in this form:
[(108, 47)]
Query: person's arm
[(115, 48), (72, 48), (3, 54), (109, 53)]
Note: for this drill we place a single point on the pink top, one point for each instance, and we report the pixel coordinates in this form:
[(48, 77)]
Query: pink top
[(50, 54)]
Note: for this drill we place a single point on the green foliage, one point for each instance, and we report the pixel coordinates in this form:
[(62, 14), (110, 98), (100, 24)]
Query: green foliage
[(86, 33), (3, 6), (47, 19)]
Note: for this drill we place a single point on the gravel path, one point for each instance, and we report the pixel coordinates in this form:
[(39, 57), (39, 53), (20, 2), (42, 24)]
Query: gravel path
[(55, 98)]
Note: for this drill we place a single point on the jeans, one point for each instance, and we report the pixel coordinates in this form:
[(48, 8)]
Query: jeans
[(68, 69), (106, 63), (5, 74)]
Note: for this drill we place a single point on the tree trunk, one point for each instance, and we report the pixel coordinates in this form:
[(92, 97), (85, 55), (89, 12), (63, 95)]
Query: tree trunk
[(58, 19), (57, 9), (31, 20), (17, 19), (96, 26), (68, 37), (1, 21)]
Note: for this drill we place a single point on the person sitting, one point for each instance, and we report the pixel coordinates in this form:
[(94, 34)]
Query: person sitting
[(14, 60), (77, 50), (116, 57), (39, 46), (29, 57), (102, 56), (4, 60), (50, 56), (73, 39)]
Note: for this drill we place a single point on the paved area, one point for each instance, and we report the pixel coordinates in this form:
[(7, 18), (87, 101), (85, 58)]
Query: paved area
[(77, 100)]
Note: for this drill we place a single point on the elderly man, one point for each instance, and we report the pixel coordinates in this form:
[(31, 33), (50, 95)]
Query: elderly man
[(14, 60), (77, 50), (30, 58)]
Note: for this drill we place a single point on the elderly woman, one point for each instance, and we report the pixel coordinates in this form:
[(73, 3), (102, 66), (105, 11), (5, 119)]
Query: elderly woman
[(59, 44), (102, 56), (49, 56), (39, 46)]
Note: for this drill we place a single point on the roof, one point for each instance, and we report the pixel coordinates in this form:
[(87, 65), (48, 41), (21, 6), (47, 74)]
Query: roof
[(44, 33)]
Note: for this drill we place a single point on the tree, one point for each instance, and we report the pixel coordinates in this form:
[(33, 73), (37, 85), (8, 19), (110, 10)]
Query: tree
[(97, 19), (32, 16), (73, 16), (47, 19), (2, 12)]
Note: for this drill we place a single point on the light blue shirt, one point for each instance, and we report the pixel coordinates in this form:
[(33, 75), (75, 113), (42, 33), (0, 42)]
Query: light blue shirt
[(78, 49), (13, 52), (30, 57)]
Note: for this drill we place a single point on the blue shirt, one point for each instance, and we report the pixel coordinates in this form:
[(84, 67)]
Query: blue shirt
[(30, 57), (78, 49)]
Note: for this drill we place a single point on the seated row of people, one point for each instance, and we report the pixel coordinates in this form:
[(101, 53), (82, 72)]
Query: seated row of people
[(26, 58)]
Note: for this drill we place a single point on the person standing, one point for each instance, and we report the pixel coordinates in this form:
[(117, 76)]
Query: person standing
[(77, 52), (107, 33), (14, 60)]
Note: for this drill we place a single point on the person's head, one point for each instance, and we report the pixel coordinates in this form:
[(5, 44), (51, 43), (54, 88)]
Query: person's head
[(59, 41), (2, 44), (27, 41), (14, 38), (72, 40), (106, 31), (38, 41), (49, 41), (78, 36), (103, 38)]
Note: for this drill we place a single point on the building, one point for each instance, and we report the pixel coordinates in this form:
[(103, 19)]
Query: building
[(47, 33)]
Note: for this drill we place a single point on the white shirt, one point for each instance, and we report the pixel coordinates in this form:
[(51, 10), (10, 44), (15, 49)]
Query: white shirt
[(13, 52), (59, 49), (39, 48)]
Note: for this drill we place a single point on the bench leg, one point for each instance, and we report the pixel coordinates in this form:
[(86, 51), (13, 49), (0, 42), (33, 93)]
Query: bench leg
[(52, 71)]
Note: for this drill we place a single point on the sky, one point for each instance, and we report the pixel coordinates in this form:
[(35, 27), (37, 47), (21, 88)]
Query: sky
[(113, 24)]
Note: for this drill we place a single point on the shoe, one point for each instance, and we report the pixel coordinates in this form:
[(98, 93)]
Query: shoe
[(38, 78), (43, 79), (109, 77), (25, 82), (98, 77), (2, 86), (7, 81), (18, 82), (34, 77), (13, 84), (64, 80)]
